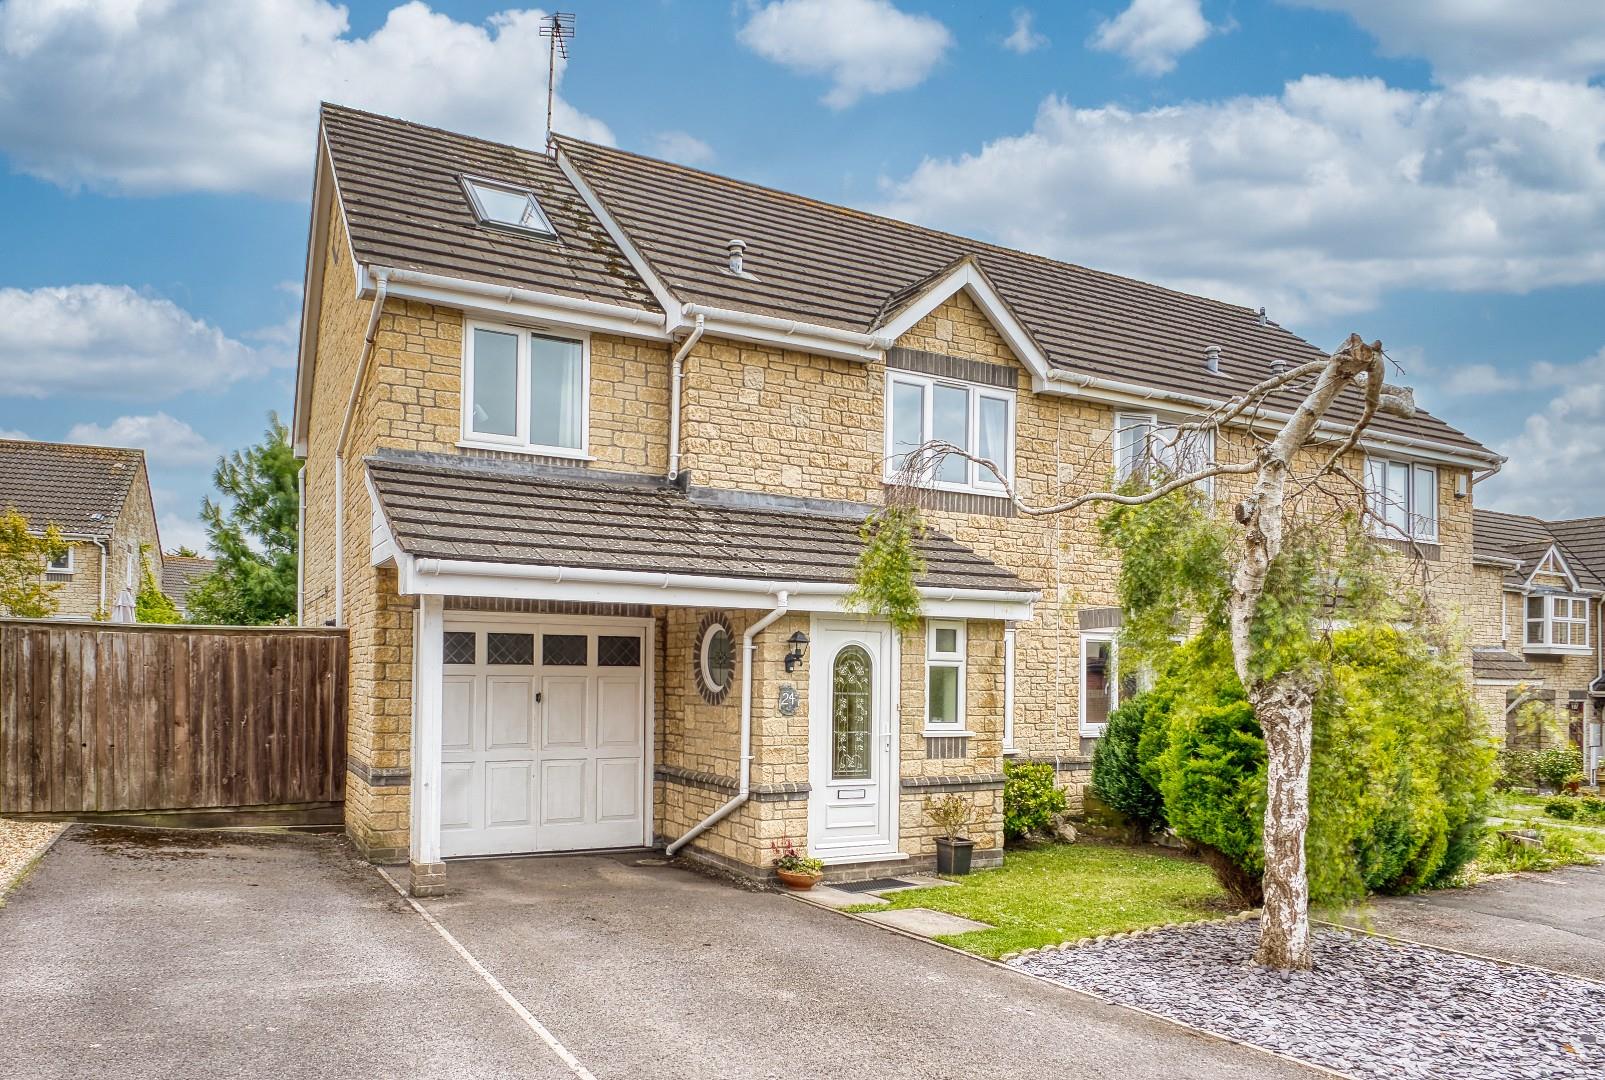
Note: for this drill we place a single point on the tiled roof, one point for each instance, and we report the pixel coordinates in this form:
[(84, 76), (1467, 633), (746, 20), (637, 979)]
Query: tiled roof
[(1526, 539), (493, 512), (180, 574), (404, 205), (1500, 665), (79, 489), (848, 269)]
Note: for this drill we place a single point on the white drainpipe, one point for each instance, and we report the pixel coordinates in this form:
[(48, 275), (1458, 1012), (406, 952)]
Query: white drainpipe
[(300, 544), (744, 783), (680, 356), (105, 557), (383, 278)]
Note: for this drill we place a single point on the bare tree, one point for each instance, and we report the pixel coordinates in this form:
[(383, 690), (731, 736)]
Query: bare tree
[(1283, 701)]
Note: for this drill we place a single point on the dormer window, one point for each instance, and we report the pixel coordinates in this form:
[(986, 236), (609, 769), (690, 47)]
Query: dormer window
[(975, 418), (507, 206), (1557, 623)]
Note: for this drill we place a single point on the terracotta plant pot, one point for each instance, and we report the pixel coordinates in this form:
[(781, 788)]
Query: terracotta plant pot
[(796, 879), (953, 855)]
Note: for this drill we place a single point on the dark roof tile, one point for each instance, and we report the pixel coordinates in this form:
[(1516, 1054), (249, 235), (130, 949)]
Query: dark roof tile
[(78, 489)]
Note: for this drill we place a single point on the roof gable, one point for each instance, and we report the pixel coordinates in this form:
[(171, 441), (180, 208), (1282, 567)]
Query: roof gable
[(1578, 546), (964, 276)]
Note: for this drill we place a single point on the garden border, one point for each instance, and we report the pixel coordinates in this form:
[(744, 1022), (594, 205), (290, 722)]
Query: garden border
[(16, 880)]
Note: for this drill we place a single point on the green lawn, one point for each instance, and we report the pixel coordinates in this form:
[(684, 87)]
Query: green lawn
[(1060, 892)]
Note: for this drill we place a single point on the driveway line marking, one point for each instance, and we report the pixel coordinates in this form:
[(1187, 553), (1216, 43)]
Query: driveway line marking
[(513, 1003)]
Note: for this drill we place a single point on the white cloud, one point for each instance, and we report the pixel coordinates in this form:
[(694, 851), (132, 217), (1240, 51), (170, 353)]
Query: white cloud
[(167, 442), (179, 530), (1024, 38), (1153, 33), (1551, 38), (1554, 466), (1314, 202), (680, 146), (13, 433), (191, 95), (113, 341), (863, 46)]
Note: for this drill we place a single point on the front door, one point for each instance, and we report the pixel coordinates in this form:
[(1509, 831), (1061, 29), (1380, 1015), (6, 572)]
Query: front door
[(542, 738), (852, 741)]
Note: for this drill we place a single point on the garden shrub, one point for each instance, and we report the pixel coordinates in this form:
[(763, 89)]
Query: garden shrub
[(1557, 764), (1565, 809), (1118, 774), (1517, 769), (1030, 797)]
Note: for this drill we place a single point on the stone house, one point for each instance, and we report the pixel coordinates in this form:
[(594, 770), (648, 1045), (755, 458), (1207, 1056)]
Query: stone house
[(588, 439), (1536, 627), (99, 498)]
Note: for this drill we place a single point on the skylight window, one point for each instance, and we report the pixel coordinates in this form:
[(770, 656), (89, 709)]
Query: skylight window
[(507, 206)]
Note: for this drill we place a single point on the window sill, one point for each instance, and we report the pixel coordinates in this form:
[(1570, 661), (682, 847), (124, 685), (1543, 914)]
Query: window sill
[(527, 451), (1091, 733), (947, 733), (1558, 650)]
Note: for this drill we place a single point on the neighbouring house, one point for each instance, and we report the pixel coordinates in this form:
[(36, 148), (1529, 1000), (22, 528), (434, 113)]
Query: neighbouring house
[(99, 498), (588, 438), (1537, 627), (180, 574)]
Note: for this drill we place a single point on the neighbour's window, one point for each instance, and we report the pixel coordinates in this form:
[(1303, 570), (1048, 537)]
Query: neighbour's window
[(1099, 695), (1557, 622), (944, 677), (1402, 499), (61, 564), (976, 419), (524, 391), (1148, 448), (508, 206)]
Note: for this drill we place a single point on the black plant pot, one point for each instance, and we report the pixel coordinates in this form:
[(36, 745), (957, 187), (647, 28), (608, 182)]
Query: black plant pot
[(953, 855)]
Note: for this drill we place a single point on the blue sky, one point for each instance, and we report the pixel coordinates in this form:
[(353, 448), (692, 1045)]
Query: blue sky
[(1431, 173)]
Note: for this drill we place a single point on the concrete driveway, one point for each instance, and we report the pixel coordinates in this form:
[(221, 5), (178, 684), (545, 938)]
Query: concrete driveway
[(205, 955), (1554, 920)]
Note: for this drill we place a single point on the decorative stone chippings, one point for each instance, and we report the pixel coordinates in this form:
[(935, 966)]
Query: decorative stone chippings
[(1370, 1009)]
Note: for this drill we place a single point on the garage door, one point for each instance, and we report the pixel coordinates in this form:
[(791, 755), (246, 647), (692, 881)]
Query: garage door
[(542, 738)]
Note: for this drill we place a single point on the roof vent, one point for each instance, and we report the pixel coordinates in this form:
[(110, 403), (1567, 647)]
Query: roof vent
[(1212, 357), (1262, 319), (736, 247), (1278, 365)]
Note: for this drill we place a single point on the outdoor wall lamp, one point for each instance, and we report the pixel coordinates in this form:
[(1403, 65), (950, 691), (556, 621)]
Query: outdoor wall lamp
[(799, 645)]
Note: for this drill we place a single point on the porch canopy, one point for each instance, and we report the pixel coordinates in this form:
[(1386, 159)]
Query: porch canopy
[(465, 527)]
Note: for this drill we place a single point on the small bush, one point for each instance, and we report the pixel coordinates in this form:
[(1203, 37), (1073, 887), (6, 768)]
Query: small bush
[(1517, 769), (1591, 809), (1565, 809), (1557, 764), (1118, 775), (1502, 853), (1030, 797)]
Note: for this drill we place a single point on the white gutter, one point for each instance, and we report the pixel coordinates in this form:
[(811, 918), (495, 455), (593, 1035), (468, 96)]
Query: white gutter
[(383, 279), (726, 318), (744, 782), (506, 294), (680, 356)]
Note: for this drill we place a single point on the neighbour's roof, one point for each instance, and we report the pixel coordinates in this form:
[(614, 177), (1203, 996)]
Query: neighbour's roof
[(79, 489), (853, 270), (181, 573), (1500, 666), (1527, 539), (493, 511), (404, 207)]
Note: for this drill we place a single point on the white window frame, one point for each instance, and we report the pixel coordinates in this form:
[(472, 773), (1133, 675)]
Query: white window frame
[(130, 569), (519, 442), (544, 230), (1093, 731), (68, 566), (957, 659), (1156, 423), (1376, 521), (980, 480), (1549, 621)]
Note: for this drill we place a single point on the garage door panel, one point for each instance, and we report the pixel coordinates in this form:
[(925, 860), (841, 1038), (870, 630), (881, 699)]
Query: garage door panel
[(564, 712), (618, 711), (563, 791), (507, 794), (457, 713), (509, 712), (458, 780), (618, 788)]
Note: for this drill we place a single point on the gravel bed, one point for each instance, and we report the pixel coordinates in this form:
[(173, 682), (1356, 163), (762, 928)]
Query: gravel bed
[(20, 841), (1369, 1009)]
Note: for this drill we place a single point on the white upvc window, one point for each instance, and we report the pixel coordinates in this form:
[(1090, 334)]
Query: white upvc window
[(525, 391), (1147, 447), (1402, 498), (977, 419), (61, 564), (944, 678), (1557, 623), (1100, 692), (130, 569)]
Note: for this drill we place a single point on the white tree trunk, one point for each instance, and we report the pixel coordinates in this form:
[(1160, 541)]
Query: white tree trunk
[(1284, 708)]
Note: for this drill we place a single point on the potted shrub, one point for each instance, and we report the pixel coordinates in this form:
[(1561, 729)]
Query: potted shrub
[(795, 869), (952, 814)]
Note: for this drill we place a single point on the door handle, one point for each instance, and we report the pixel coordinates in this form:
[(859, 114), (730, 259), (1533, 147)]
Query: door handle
[(537, 697)]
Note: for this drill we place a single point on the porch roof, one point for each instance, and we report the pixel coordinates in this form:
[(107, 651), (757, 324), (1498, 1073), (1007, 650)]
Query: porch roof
[(517, 513), (1500, 665)]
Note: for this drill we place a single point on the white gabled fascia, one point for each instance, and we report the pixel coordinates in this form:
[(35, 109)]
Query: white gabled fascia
[(510, 302), (324, 197), (1554, 549), (969, 278), (450, 577)]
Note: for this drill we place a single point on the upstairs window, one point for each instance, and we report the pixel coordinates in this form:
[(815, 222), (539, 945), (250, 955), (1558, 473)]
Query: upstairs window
[(507, 206), (1402, 499), (1556, 622), (1148, 448), (525, 391), (61, 564), (977, 419)]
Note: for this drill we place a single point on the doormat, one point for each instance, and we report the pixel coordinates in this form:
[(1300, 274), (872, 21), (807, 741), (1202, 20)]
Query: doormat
[(875, 885)]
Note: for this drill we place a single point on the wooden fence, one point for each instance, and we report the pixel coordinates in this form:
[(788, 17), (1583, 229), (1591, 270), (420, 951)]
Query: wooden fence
[(99, 718)]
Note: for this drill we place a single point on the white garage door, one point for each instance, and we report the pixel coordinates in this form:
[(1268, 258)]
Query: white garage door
[(542, 738)]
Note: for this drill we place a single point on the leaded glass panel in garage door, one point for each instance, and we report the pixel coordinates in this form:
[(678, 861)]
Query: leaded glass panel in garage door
[(615, 651), (509, 648), (459, 647), (565, 650)]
